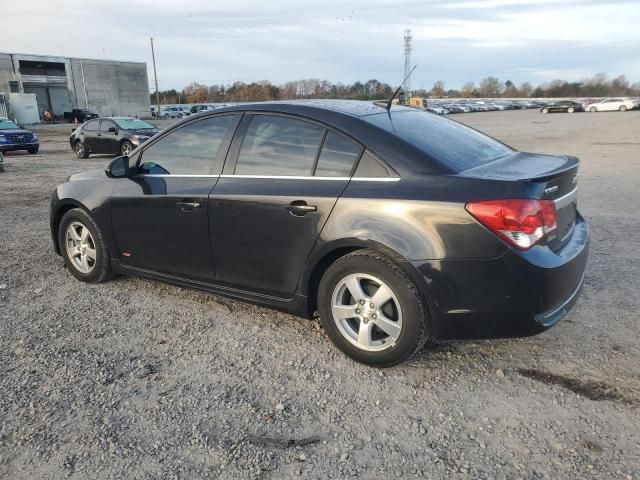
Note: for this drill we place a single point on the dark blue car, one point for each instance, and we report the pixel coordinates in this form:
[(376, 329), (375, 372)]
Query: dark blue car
[(14, 137)]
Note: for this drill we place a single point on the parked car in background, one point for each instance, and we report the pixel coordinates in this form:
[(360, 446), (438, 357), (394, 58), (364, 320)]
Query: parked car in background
[(200, 108), (612, 105), (172, 112), (80, 115), (438, 110), (117, 135), (395, 225), (14, 137), (566, 106)]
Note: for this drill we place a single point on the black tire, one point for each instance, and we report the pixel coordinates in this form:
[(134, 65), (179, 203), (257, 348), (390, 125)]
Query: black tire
[(416, 327), (101, 270), (33, 151), (126, 147), (81, 152)]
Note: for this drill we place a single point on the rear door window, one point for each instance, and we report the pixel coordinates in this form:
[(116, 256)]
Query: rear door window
[(92, 125), (279, 146), (337, 156)]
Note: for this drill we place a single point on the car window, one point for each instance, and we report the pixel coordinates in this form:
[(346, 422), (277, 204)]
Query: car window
[(277, 145), (92, 125), (371, 167), (337, 156), (106, 125), (193, 149), (446, 141)]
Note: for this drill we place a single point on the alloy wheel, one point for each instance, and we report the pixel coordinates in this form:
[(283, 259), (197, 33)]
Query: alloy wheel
[(79, 149), (126, 148), (81, 248), (366, 312)]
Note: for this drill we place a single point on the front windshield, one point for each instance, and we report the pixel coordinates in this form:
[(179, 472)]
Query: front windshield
[(133, 124), (7, 125)]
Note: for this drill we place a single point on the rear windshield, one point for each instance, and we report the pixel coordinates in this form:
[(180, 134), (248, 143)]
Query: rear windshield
[(132, 124), (446, 141)]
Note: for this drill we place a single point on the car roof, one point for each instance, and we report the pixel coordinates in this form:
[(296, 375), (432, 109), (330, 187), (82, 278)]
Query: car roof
[(354, 108)]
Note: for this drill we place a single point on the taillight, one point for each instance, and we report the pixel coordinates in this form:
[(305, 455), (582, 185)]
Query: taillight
[(522, 223)]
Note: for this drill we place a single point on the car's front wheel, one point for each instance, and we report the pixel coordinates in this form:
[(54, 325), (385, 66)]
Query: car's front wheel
[(81, 151), (372, 310), (593, 109), (33, 150), (545, 110), (623, 108), (571, 110), (126, 148), (83, 247)]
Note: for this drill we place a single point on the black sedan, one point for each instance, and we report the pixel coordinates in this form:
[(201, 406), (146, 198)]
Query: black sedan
[(15, 137), (395, 226), (116, 135), (564, 106)]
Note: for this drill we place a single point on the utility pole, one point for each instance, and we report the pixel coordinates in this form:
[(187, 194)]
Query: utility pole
[(407, 61), (155, 74)]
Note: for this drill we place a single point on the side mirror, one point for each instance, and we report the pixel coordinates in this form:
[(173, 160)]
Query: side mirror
[(118, 167), (113, 130)]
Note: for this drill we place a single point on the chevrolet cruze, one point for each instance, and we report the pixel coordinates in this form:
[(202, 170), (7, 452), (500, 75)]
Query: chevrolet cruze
[(396, 226)]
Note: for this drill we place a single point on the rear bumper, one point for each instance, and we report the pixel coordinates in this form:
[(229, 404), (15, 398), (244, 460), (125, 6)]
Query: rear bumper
[(518, 294)]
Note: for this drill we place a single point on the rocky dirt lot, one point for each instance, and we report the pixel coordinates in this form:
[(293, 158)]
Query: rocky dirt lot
[(137, 379)]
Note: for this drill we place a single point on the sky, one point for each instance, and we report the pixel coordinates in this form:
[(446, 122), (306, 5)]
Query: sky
[(219, 42)]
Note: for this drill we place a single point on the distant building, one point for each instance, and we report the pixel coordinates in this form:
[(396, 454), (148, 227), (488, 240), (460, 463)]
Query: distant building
[(60, 84)]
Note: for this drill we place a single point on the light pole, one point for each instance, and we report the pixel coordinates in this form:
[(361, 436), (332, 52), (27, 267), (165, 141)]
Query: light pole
[(155, 74)]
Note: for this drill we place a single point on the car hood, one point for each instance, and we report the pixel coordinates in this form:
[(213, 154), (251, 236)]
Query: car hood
[(16, 131), (144, 132), (90, 175)]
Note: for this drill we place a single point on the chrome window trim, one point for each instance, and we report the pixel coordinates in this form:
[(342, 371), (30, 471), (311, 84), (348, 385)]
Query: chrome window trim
[(567, 199), (278, 177)]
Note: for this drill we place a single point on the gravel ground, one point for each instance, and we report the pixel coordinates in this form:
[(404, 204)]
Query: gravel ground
[(137, 379)]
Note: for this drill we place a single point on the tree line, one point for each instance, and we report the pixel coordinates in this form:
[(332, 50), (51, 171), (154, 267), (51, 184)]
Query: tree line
[(600, 85)]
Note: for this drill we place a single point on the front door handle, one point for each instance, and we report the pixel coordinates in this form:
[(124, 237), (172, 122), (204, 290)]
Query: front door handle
[(300, 208), (188, 206)]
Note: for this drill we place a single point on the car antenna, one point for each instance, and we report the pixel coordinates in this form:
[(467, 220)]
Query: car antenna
[(398, 89)]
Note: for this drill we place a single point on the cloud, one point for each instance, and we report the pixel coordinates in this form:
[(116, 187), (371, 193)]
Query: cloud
[(454, 41)]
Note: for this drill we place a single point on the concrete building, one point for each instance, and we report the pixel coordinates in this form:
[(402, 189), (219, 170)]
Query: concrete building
[(107, 87)]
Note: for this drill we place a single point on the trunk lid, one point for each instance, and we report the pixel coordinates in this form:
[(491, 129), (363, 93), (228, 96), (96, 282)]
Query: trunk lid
[(556, 178)]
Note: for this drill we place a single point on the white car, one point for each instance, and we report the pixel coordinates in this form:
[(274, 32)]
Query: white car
[(171, 112), (611, 105)]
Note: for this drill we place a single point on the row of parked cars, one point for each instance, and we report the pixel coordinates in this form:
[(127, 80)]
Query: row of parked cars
[(443, 107), (179, 111), (606, 105)]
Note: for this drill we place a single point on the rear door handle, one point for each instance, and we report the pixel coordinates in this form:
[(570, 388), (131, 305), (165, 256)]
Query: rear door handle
[(188, 206), (300, 208)]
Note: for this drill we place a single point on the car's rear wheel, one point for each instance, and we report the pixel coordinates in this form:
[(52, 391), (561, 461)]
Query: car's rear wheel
[(571, 110), (81, 151), (372, 310), (593, 109), (545, 110), (82, 247), (126, 148), (623, 108)]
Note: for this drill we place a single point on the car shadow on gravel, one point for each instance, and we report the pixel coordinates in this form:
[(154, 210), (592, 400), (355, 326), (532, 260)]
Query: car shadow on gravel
[(593, 390)]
